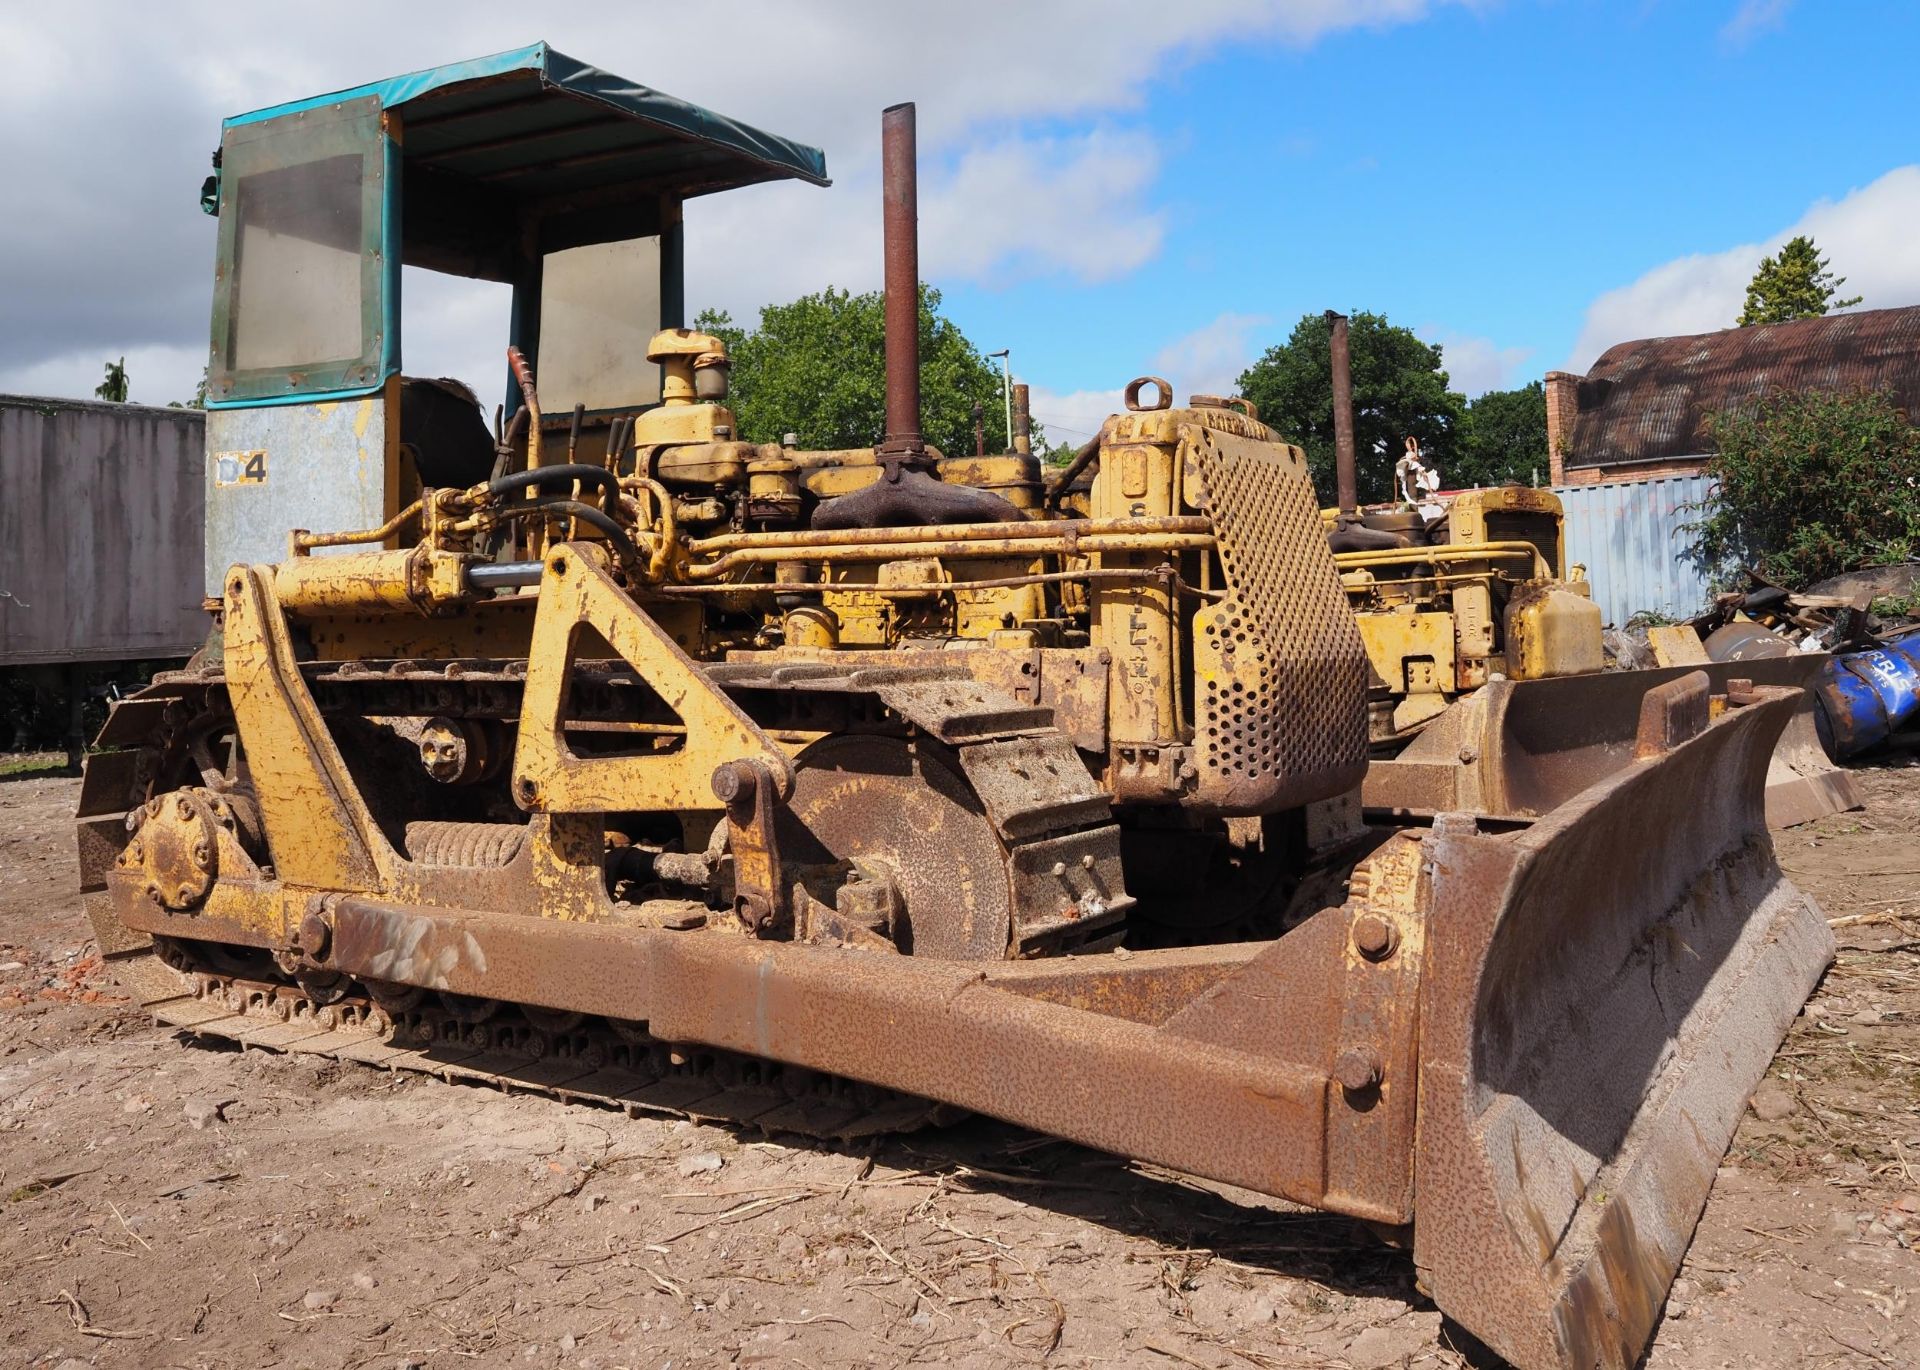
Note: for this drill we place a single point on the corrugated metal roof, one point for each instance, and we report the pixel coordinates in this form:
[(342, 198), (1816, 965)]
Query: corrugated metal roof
[(1651, 400)]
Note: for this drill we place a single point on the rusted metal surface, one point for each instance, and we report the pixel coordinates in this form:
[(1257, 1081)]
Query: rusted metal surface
[(1651, 400), (922, 1026), (750, 790), (1585, 1060), (900, 196), (99, 531), (1279, 664), (1516, 749), (207, 990), (1346, 475)]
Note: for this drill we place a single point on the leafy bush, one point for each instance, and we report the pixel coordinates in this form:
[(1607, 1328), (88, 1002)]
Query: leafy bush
[(1810, 484)]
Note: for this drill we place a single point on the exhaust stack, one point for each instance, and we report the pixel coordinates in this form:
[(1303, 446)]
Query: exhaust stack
[(1022, 421), (1343, 460), (900, 197)]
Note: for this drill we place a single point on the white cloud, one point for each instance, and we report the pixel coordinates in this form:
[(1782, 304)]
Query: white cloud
[(1072, 416), (1476, 365), (1003, 210), (113, 257), (157, 374), (1020, 206), (1753, 18), (1868, 235), (1207, 361)]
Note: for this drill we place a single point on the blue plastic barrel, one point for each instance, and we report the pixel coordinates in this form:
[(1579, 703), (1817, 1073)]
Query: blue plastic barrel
[(1865, 697)]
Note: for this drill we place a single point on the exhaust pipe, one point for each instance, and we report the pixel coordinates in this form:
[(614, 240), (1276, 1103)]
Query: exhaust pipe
[(1345, 473), (1022, 421), (904, 442)]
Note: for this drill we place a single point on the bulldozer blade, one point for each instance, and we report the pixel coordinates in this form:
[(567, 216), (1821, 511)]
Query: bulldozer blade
[(1602, 993), (1519, 748)]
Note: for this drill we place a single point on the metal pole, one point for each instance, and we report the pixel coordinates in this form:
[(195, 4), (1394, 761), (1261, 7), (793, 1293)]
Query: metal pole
[(1345, 475), (1006, 388), (900, 199)]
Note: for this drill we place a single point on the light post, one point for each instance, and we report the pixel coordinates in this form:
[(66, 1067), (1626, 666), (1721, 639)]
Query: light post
[(1006, 388)]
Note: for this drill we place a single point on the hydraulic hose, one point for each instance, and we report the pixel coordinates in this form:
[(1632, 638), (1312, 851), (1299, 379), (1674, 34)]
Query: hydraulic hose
[(560, 475), (561, 507)]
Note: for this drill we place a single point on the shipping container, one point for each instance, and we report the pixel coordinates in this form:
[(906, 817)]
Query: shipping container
[(100, 531), (1632, 537)]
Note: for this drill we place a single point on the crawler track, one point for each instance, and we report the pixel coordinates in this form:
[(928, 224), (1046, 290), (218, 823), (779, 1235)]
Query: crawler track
[(204, 992)]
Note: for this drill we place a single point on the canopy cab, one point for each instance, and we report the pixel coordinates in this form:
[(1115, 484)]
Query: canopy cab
[(529, 168)]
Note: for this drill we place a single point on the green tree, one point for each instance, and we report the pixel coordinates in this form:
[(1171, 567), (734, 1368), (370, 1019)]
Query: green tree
[(114, 387), (1503, 439), (1811, 483), (199, 400), (1399, 390), (1794, 285), (817, 367)]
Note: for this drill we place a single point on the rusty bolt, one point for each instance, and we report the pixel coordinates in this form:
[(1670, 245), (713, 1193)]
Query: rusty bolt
[(1374, 936), (733, 782), (315, 936), (1357, 1069)]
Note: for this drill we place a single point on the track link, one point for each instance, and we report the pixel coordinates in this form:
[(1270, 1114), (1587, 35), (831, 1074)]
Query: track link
[(487, 1042)]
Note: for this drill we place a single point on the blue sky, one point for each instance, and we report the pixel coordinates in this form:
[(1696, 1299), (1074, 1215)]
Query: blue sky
[(1481, 174), (1108, 186)]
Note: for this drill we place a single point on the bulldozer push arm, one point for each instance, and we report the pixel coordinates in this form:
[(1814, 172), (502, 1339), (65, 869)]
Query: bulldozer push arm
[(834, 793)]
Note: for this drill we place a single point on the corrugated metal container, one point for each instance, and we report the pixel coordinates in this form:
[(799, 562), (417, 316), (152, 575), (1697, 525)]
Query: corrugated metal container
[(100, 531), (1630, 536)]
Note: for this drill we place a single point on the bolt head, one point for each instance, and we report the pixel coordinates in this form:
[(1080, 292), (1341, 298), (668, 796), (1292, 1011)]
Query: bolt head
[(732, 782), (315, 936), (1374, 937), (1357, 1069)]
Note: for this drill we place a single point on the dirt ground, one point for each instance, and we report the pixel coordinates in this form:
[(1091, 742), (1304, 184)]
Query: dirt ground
[(163, 1204)]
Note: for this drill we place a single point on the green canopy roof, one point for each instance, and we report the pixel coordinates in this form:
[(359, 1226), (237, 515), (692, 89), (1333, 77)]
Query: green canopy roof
[(537, 125)]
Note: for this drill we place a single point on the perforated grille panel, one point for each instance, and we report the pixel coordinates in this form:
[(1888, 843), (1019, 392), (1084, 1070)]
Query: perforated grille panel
[(1281, 671)]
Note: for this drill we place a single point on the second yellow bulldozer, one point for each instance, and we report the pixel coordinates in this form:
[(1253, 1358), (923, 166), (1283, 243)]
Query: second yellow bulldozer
[(618, 754), (1487, 660)]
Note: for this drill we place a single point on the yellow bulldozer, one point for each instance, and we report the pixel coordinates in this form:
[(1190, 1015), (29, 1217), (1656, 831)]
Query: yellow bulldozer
[(1485, 652), (613, 752)]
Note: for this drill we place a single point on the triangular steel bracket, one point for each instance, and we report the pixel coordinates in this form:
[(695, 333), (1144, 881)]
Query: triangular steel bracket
[(549, 778)]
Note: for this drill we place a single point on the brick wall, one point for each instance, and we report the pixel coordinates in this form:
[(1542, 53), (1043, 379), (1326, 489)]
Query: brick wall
[(1563, 406)]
